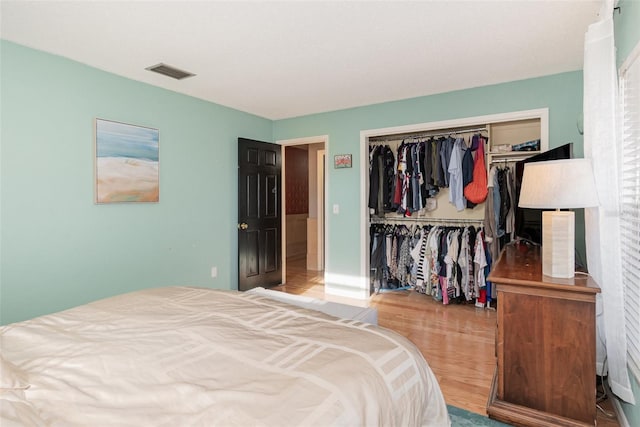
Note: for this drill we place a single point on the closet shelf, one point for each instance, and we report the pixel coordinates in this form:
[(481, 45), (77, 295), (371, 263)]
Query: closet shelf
[(426, 220), (513, 153)]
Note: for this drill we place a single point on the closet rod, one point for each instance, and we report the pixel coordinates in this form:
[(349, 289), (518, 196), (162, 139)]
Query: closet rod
[(426, 220), (424, 135)]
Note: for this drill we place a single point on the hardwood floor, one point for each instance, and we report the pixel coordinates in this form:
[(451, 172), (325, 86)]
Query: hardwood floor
[(458, 341)]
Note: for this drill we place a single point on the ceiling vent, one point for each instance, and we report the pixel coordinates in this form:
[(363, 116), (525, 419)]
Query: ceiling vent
[(169, 71)]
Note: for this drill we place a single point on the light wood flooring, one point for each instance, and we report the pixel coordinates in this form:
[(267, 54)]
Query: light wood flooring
[(458, 341)]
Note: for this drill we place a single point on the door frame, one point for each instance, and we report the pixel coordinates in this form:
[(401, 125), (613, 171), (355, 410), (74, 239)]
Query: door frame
[(321, 161), (322, 245)]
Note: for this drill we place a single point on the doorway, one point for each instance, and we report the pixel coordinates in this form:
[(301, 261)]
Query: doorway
[(303, 205)]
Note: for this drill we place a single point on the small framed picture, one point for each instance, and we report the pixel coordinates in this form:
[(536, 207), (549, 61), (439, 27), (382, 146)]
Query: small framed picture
[(342, 161)]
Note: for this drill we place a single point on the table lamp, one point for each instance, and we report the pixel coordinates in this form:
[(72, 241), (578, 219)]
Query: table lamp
[(558, 184)]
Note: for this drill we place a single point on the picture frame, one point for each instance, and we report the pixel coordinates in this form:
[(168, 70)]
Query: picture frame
[(126, 163), (341, 161)]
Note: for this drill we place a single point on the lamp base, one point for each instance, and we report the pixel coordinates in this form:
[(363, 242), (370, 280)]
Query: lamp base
[(558, 244)]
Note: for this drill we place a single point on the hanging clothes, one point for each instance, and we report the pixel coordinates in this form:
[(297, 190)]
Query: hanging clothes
[(418, 254), (500, 208), (480, 260), (379, 270), (511, 191), (445, 262), (446, 147), (456, 188), (406, 180), (467, 170), (490, 222), (476, 190), (381, 179)]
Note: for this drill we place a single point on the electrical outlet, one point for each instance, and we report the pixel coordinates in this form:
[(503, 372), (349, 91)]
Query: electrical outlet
[(214, 272)]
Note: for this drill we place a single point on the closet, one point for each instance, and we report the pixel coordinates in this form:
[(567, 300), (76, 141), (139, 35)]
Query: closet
[(424, 230)]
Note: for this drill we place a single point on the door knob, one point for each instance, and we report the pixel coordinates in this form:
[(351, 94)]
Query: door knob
[(243, 226)]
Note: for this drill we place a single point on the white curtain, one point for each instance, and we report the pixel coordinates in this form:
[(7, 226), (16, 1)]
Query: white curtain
[(602, 224)]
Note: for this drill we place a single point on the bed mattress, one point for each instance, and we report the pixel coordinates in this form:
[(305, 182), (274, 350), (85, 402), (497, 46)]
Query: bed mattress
[(179, 356)]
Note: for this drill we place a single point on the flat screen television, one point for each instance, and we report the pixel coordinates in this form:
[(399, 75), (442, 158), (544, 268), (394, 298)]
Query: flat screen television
[(529, 221)]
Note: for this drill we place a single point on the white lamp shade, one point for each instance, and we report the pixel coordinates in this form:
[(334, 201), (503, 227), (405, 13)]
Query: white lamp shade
[(558, 184)]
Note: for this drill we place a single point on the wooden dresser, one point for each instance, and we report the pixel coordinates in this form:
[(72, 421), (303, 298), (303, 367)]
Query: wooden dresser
[(545, 344)]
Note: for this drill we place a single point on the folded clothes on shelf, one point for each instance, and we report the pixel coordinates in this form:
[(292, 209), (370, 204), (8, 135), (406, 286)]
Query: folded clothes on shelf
[(533, 145)]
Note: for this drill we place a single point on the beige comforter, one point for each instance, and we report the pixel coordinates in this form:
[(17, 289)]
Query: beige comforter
[(181, 356)]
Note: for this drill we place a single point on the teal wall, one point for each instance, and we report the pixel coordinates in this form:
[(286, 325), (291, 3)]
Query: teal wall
[(627, 36), (627, 28), (58, 248), (561, 93), (632, 412)]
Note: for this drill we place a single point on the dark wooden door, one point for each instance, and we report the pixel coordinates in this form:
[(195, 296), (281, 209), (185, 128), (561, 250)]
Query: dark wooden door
[(259, 214)]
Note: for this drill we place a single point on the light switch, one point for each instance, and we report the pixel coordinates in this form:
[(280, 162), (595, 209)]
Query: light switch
[(336, 209)]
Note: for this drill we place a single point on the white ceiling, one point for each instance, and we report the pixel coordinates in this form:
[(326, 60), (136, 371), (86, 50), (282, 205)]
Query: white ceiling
[(287, 59)]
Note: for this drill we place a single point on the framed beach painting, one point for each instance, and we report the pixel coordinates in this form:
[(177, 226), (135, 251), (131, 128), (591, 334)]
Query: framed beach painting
[(126, 163)]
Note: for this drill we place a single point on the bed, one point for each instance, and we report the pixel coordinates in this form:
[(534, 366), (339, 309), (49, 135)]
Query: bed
[(184, 356)]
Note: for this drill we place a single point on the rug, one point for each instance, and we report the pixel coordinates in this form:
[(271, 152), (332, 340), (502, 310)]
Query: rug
[(461, 418)]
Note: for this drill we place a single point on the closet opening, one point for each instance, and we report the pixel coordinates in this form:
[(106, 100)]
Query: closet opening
[(416, 205)]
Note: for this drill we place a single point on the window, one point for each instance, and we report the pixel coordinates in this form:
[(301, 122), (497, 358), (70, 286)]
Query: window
[(630, 204)]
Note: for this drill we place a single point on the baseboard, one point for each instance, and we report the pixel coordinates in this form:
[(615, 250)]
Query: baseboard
[(622, 418)]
